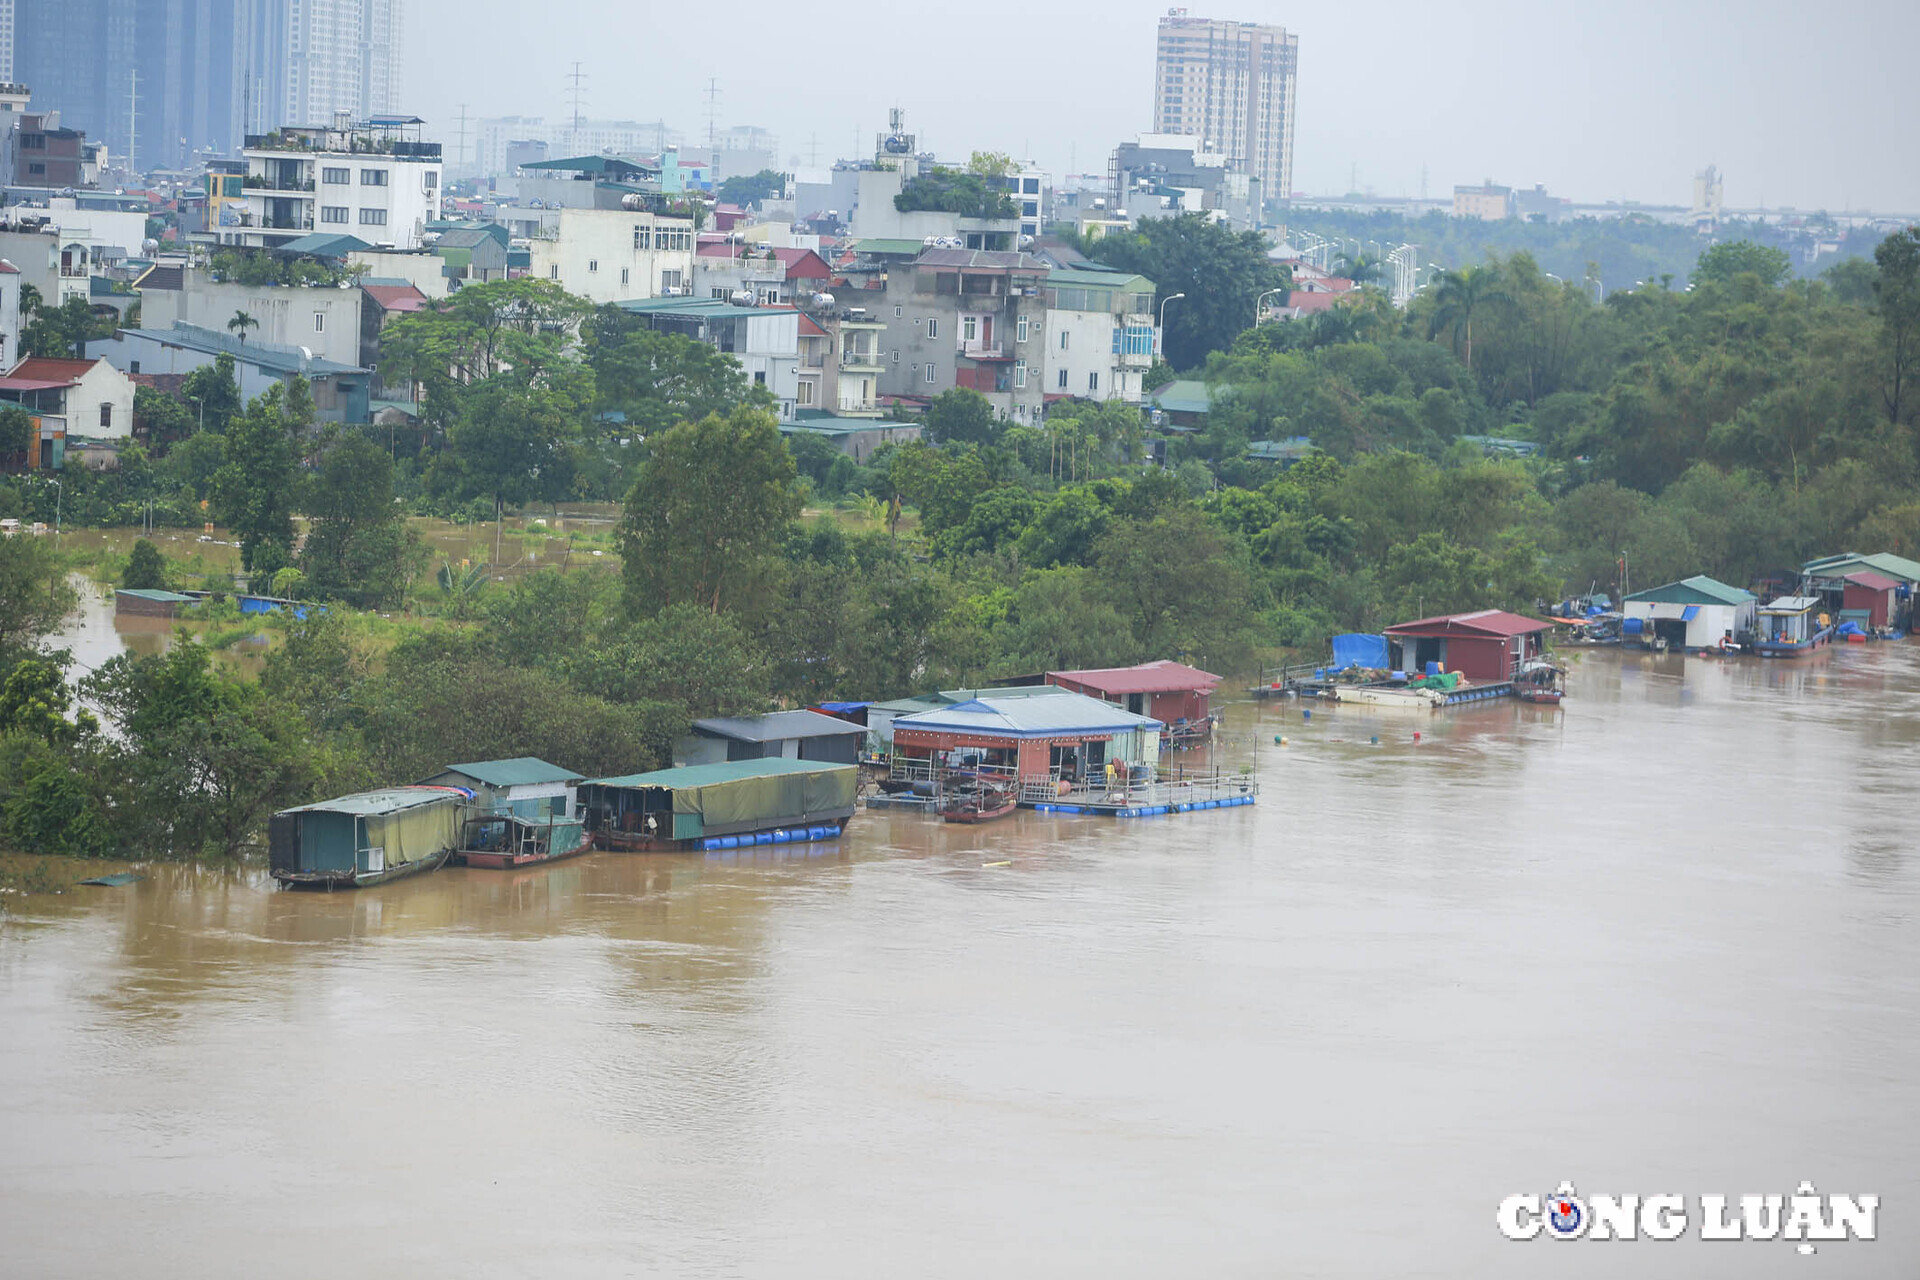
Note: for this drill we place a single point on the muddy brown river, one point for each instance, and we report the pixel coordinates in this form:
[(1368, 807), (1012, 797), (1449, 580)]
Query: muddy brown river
[(1662, 940)]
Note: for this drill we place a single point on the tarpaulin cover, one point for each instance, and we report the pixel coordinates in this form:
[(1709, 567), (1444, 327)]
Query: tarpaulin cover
[(748, 802), (425, 831), (1691, 612), (1358, 650), (1442, 680)]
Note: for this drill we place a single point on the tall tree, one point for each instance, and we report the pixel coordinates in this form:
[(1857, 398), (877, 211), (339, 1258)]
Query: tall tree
[(1459, 296), (241, 323), (1222, 273), (358, 548), (35, 597), (1896, 300), (707, 512), (254, 492)]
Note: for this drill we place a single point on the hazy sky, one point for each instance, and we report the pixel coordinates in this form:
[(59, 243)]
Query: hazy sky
[(1804, 105)]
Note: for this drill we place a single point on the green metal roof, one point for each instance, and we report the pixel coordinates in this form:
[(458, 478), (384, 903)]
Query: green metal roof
[(324, 244), (1698, 589), (834, 425), (1185, 395), (880, 244), (385, 800), (591, 164), (519, 771), (1280, 450), (1881, 562), (713, 308), (907, 706), (154, 594), (701, 775), (1119, 282)]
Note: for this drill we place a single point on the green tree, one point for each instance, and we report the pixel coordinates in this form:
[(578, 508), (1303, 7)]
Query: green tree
[(253, 493), (1722, 263), (961, 415), (64, 331), (241, 323), (35, 596), (213, 391), (1458, 297), (751, 188), (17, 437), (358, 548), (707, 513), (1179, 584), (655, 380), (1896, 301), (146, 568), (35, 701), (1221, 272)]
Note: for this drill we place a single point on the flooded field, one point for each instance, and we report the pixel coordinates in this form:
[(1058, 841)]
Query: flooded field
[(1660, 940)]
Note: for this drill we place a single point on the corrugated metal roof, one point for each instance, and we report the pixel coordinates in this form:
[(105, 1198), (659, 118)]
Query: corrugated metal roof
[(700, 775), (1791, 604), (154, 594), (981, 260), (1162, 676), (1882, 561), (1183, 395), (1872, 581), (1118, 281), (324, 244), (1051, 715), (776, 726), (1489, 622), (1698, 589), (519, 771), (385, 800)]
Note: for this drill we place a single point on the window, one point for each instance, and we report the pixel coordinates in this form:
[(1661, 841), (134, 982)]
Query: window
[(1030, 209), (36, 167), (1093, 382), (1063, 379), (929, 371), (720, 294), (1020, 329), (806, 391), (1019, 373), (625, 273), (593, 265), (134, 366), (373, 217), (760, 378), (933, 327), (669, 279), (969, 328), (1030, 186), (429, 181), (897, 311), (333, 213), (553, 272), (896, 357), (319, 322), (1064, 335), (642, 238), (106, 415), (373, 177), (336, 177)]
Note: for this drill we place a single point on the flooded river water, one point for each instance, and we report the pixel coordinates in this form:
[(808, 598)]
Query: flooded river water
[(1662, 940)]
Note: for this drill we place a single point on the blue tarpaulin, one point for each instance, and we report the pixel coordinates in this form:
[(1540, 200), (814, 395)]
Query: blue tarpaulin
[(1689, 613), (1358, 650)]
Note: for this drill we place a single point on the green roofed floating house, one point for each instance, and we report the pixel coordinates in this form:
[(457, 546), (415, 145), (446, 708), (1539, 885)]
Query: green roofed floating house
[(366, 838), (721, 806), (1695, 614), (521, 812)]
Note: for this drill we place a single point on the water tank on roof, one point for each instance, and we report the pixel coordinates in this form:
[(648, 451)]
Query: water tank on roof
[(635, 201), (741, 297), (822, 299)]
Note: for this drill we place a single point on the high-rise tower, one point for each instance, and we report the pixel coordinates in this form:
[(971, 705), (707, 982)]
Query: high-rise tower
[(1230, 84)]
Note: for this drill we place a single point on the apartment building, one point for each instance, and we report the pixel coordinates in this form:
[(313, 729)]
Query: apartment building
[(373, 179), (1100, 334), (972, 318), (1231, 84), (615, 255)]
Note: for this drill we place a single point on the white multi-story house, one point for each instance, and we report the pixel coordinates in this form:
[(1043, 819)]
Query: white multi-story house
[(1100, 334), (373, 180), (616, 255)]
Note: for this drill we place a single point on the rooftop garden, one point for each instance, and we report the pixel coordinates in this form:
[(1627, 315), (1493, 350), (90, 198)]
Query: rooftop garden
[(971, 195), (234, 266)]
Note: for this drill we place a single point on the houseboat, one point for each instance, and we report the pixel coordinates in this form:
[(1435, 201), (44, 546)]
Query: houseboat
[(1178, 696), (500, 841), (1694, 615), (522, 786), (364, 839), (722, 805), (1045, 742), (1792, 627)]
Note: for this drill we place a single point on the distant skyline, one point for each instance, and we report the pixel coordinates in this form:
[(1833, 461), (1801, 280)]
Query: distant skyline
[(1616, 101)]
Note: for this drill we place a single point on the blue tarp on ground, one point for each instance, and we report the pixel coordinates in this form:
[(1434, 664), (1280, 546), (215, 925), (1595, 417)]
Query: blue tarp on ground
[(1359, 650)]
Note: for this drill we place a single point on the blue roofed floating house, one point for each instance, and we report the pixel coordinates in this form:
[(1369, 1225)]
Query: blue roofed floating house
[(722, 805), (366, 838), (1041, 739)]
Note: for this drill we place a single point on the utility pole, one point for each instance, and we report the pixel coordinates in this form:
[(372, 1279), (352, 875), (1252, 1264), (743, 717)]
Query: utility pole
[(713, 119), (578, 77), (461, 149)]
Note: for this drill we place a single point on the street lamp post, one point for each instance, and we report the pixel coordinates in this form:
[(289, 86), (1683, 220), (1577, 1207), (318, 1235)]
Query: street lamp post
[(1163, 320), (59, 495), (202, 402), (1262, 298)]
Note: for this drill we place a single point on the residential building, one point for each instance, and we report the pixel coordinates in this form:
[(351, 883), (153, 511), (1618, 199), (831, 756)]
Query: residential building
[(1171, 692), (970, 318), (588, 182), (765, 340), (59, 262), (613, 255), (1487, 202), (345, 56), (13, 105), (340, 391), (373, 179), (323, 320), (793, 735), (1694, 614), (1232, 84), (729, 269), (1032, 192), (70, 400), (469, 255), (1537, 206), (1488, 645), (50, 155), (6, 40), (854, 436), (1709, 199), (1100, 335), (1161, 175)]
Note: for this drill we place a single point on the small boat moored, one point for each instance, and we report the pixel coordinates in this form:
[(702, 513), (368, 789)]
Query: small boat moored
[(503, 840), (1792, 627), (979, 801), (1541, 683)]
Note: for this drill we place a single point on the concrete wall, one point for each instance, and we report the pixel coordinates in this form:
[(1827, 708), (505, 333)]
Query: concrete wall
[(594, 255), (104, 390), (325, 320)]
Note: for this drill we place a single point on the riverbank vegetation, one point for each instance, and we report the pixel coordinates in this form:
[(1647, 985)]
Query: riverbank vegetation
[(1503, 440)]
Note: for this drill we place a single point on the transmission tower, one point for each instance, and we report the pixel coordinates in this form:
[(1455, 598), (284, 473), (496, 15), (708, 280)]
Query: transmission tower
[(578, 94)]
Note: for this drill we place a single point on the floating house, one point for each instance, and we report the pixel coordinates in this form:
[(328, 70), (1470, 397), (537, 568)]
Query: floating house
[(1827, 578), (1490, 645), (1178, 696), (1791, 627), (1042, 738), (721, 805), (522, 786), (1695, 613), (364, 839), (150, 602), (791, 735), (1870, 599)]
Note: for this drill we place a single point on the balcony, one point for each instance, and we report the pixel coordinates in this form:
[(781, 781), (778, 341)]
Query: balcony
[(271, 223), (979, 350), (259, 182)]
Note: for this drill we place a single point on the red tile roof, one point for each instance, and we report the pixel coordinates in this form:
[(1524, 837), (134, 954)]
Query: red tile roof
[(50, 367), (1486, 622), (803, 264), (11, 383), (810, 328), (1164, 676), (397, 297)]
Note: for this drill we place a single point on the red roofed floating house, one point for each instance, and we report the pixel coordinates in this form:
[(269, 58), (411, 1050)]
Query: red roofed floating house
[(1173, 693), (1869, 598), (1487, 646)]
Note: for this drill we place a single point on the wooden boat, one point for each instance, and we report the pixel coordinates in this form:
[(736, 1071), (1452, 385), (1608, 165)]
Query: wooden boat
[(1377, 695), (1184, 734), (500, 841), (979, 804), (1539, 683), (1792, 627)]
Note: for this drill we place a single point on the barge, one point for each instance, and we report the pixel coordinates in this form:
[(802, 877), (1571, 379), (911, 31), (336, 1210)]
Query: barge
[(723, 805)]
